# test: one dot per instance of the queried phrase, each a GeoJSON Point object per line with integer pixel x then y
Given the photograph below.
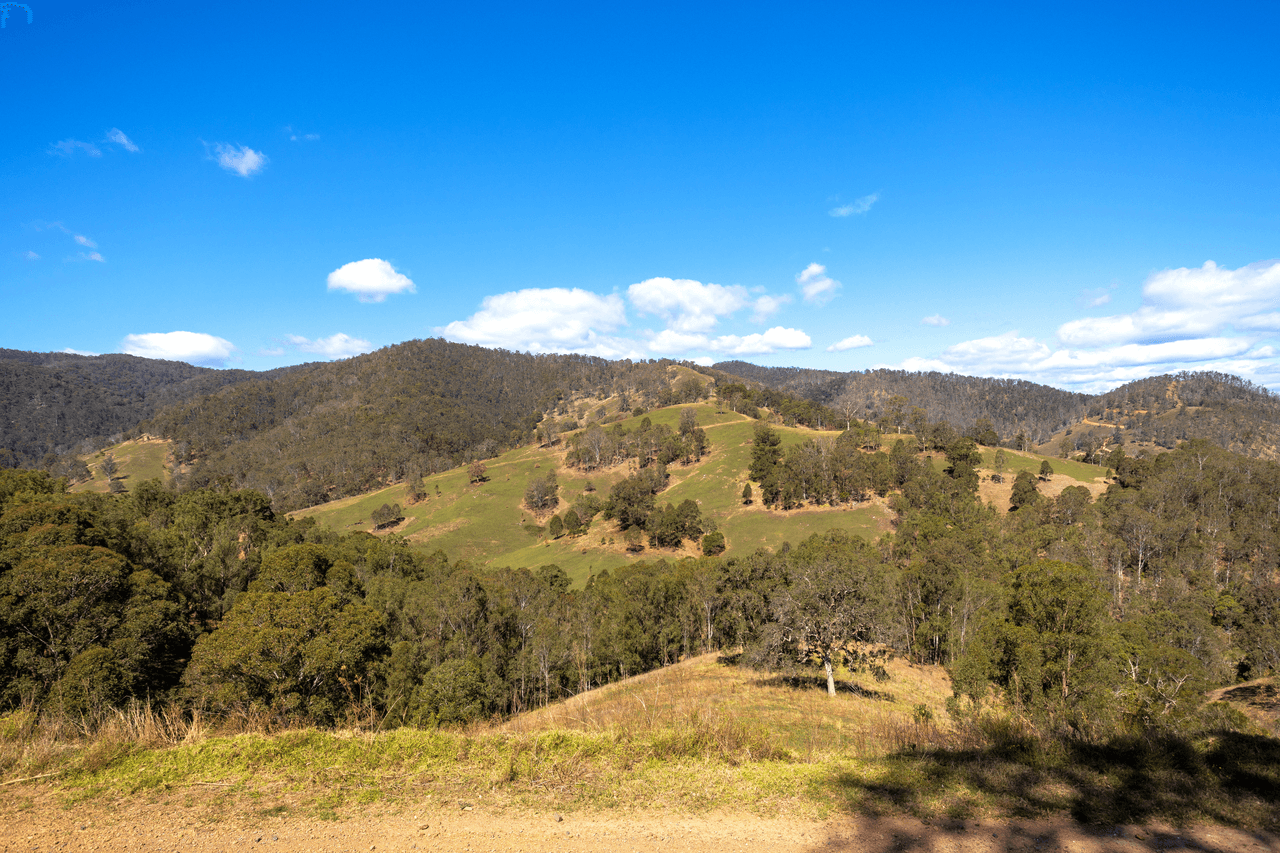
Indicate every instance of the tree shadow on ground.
{"type": "Point", "coordinates": [1228, 778]}
{"type": "Point", "coordinates": [819, 682]}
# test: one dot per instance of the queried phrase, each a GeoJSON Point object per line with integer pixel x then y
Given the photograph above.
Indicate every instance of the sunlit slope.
{"type": "Point", "coordinates": [136, 460]}
{"type": "Point", "coordinates": [487, 522]}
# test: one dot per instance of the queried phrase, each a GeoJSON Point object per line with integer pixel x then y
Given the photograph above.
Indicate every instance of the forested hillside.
{"type": "Point", "coordinates": [56, 404]}
{"type": "Point", "coordinates": [1011, 405]}
{"type": "Point", "coordinates": [322, 431]}
{"type": "Point", "coordinates": [1067, 614]}
{"type": "Point", "coordinates": [1158, 412]}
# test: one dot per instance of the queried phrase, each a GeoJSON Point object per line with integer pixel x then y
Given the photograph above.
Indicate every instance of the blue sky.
{"type": "Point", "coordinates": [1078, 195]}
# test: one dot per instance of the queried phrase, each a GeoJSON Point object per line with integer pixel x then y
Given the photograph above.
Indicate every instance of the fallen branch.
{"type": "Point", "coordinates": [31, 778]}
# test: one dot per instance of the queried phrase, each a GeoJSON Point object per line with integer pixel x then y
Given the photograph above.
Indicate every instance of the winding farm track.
{"type": "Point", "coordinates": [33, 820]}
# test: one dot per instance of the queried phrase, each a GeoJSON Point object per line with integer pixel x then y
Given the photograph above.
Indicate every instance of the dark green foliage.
{"type": "Point", "coordinates": [555, 527]}
{"type": "Point", "coordinates": [746, 494]}
{"type": "Point", "coordinates": [1046, 470]}
{"type": "Point", "coordinates": [765, 453]}
{"type": "Point", "coordinates": [572, 522]}
{"type": "Point", "coordinates": [387, 515]}
{"type": "Point", "coordinates": [299, 655]}
{"type": "Point", "coordinates": [1024, 491]}
{"type": "Point", "coordinates": [713, 544]}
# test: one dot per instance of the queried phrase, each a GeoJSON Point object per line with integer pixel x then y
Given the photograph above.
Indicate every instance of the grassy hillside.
{"type": "Point", "coordinates": [136, 460]}
{"type": "Point", "coordinates": [487, 522]}
{"type": "Point", "coordinates": [702, 734]}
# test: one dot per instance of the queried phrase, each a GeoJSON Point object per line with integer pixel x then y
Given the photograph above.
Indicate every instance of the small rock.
{"type": "Point", "coordinates": [559, 818]}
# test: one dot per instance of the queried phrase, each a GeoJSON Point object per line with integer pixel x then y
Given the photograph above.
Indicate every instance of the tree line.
{"type": "Point", "coordinates": [1081, 615]}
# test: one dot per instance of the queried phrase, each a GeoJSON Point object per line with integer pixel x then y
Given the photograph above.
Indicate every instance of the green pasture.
{"type": "Point", "coordinates": [135, 461]}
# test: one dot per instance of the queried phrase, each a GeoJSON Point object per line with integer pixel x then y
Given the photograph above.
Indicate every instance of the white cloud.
{"type": "Point", "coordinates": [335, 346]}
{"type": "Point", "coordinates": [242, 160]}
{"type": "Point", "coordinates": [271, 352]}
{"type": "Point", "coordinates": [687, 306]}
{"type": "Point", "coordinates": [852, 342]}
{"type": "Point", "coordinates": [371, 280]}
{"type": "Point", "coordinates": [68, 147]}
{"type": "Point", "coordinates": [704, 360]}
{"type": "Point", "coordinates": [552, 319]}
{"type": "Point", "coordinates": [193, 347]}
{"type": "Point", "coordinates": [935, 320]}
{"type": "Point", "coordinates": [93, 256]}
{"type": "Point", "coordinates": [765, 306]}
{"type": "Point", "coordinates": [770, 341]}
{"type": "Point", "coordinates": [31, 256]}
{"type": "Point", "coordinates": [858, 208]}
{"type": "Point", "coordinates": [1189, 302]}
{"type": "Point", "coordinates": [85, 241]}
{"type": "Point", "coordinates": [816, 285]}
{"type": "Point", "coordinates": [117, 136]}
{"type": "Point", "coordinates": [70, 351]}
{"type": "Point", "coordinates": [669, 341]}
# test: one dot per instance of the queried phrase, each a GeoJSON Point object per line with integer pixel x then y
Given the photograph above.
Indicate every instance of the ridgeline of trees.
{"type": "Point", "coordinates": [1073, 615]}
{"type": "Point", "coordinates": [323, 431]}
{"type": "Point", "coordinates": [54, 405]}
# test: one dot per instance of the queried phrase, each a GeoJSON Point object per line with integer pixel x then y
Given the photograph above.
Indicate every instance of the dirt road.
{"type": "Point", "coordinates": [34, 820]}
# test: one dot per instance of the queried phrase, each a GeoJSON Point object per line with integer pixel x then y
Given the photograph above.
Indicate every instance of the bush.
{"type": "Point", "coordinates": [713, 544]}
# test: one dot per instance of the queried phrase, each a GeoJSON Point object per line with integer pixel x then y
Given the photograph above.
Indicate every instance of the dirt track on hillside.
{"type": "Point", "coordinates": [33, 819]}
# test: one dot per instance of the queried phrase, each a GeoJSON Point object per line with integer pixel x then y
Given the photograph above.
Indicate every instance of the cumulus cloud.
{"type": "Point", "coordinates": [770, 341]}
{"type": "Point", "coordinates": [242, 160]}
{"type": "Point", "coordinates": [816, 285]}
{"type": "Point", "coordinates": [687, 306]}
{"type": "Point", "coordinates": [852, 342]}
{"type": "Point", "coordinates": [1094, 370]}
{"type": "Point", "coordinates": [192, 347]}
{"type": "Point", "coordinates": [1189, 302]}
{"type": "Point", "coordinates": [68, 147]}
{"type": "Point", "coordinates": [371, 280]}
{"type": "Point", "coordinates": [552, 319]}
{"type": "Point", "coordinates": [935, 320]}
{"type": "Point", "coordinates": [766, 306]}
{"type": "Point", "coordinates": [117, 136]}
{"type": "Point", "coordinates": [335, 346]}
{"type": "Point", "coordinates": [858, 208]}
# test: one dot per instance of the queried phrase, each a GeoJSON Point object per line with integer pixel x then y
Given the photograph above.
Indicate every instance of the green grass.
{"type": "Point", "coordinates": [486, 522]}
{"type": "Point", "coordinates": [136, 461]}
{"type": "Point", "coordinates": [697, 735]}
{"type": "Point", "coordinates": [1015, 461]}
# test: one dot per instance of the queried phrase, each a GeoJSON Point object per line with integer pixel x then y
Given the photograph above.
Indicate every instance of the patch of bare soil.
{"type": "Point", "coordinates": [32, 819]}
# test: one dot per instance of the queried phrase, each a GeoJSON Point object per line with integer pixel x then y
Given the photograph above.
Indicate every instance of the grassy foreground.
{"type": "Point", "coordinates": [703, 734]}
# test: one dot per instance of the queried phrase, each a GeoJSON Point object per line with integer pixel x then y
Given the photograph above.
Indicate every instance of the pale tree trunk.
{"type": "Point", "coordinates": [831, 677]}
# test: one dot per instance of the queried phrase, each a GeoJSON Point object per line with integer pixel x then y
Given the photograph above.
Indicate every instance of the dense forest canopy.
{"type": "Point", "coordinates": [1073, 614]}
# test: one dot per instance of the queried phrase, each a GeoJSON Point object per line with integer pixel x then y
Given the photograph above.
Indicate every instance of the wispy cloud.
{"type": "Point", "coordinates": [371, 280]}
{"type": "Point", "coordinates": [117, 136]}
{"type": "Point", "coordinates": [335, 346]}
{"type": "Point", "coordinates": [816, 285]}
{"type": "Point", "coordinates": [93, 256]}
{"type": "Point", "coordinates": [766, 306]}
{"type": "Point", "coordinates": [935, 320]}
{"type": "Point", "coordinates": [192, 347]}
{"type": "Point", "coordinates": [70, 351]}
{"type": "Point", "coordinates": [30, 255]}
{"type": "Point", "coordinates": [68, 147]}
{"type": "Point", "coordinates": [857, 208]}
{"type": "Point", "coordinates": [242, 159]}
{"type": "Point", "coordinates": [85, 241]}
{"type": "Point", "coordinates": [852, 342]}
{"type": "Point", "coordinates": [1189, 302]}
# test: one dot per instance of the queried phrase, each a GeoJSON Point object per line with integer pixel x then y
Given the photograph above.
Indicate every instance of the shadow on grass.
{"type": "Point", "coordinates": [819, 682]}
{"type": "Point", "coordinates": [1229, 778]}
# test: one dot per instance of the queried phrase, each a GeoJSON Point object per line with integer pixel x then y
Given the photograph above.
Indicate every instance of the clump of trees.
{"type": "Point", "coordinates": [597, 447]}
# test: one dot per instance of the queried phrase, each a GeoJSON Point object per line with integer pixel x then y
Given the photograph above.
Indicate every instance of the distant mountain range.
{"type": "Point", "coordinates": [308, 433]}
